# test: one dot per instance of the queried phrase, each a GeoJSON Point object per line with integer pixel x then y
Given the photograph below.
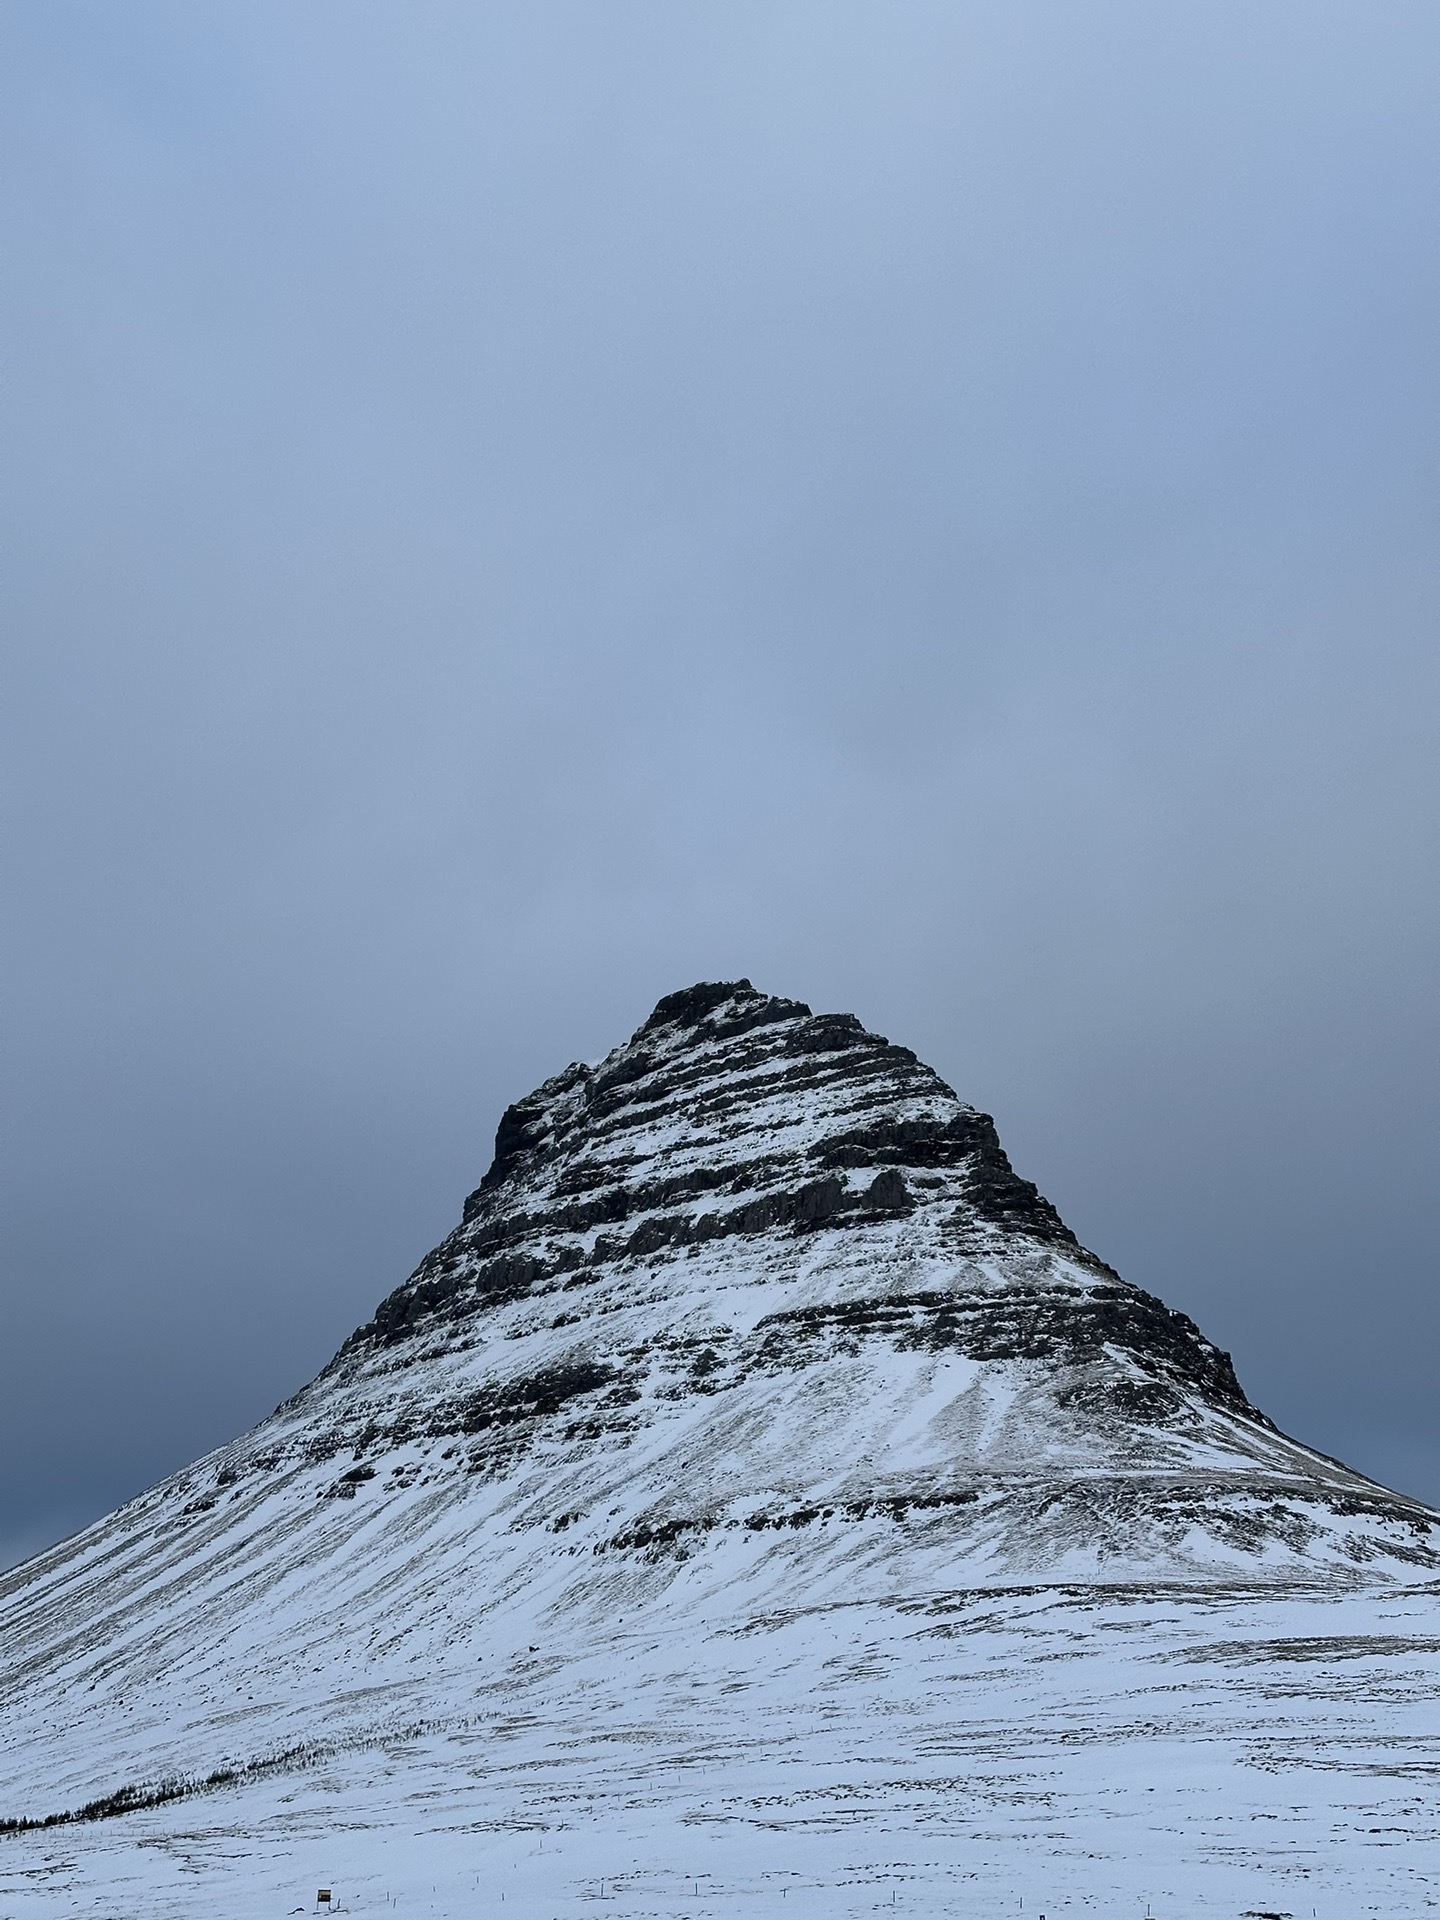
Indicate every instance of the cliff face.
{"type": "Point", "coordinates": [737, 1141]}
{"type": "Point", "coordinates": [753, 1315]}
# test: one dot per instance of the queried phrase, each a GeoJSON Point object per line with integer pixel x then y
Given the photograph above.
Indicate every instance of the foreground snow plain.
{"type": "Point", "coordinates": [1103, 1750]}
{"type": "Point", "coordinates": [760, 1505]}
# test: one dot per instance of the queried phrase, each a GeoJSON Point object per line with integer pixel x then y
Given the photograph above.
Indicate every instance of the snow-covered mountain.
{"type": "Point", "coordinates": [760, 1451]}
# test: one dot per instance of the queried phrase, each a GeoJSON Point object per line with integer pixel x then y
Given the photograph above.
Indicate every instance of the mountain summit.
{"type": "Point", "coordinates": [751, 1321]}
{"type": "Point", "coordinates": [778, 1255]}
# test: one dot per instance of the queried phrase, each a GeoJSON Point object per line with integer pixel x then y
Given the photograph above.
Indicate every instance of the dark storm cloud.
{"type": "Point", "coordinates": [511, 510]}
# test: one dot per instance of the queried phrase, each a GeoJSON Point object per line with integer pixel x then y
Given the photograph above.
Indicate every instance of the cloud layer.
{"type": "Point", "coordinates": [513, 510]}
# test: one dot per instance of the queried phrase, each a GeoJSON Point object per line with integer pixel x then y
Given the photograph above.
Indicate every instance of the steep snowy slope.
{"type": "Point", "coordinates": [750, 1346]}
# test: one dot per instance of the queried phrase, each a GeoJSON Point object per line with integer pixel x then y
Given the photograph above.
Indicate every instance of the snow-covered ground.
{"type": "Point", "coordinates": [1205, 1753]}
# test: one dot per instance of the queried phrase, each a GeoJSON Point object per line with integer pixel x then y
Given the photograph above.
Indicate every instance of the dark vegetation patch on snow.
{"type": "Point", "coordinates": [135, 1799]}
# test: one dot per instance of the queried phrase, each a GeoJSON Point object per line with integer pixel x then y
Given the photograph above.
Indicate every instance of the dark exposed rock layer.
{"type": "Point", "coordinates": [575, 1189]}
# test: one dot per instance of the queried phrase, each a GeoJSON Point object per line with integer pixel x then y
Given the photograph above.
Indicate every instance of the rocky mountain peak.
{"type": "Point", "coordinates": [769, 1233]}
{"type": "Point", "coordinates": [756, 1416]}
{"type": "Point", "coordinates": [732, 1116]}
{"type": "Point", "coordinates": [752, 1322]}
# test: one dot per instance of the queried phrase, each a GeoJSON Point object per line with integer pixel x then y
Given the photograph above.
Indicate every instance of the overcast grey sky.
{"type": "Point", "coordinates": [511, 509]}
